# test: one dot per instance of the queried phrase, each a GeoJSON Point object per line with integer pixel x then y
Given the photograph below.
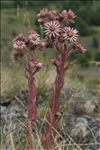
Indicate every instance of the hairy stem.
{"type": "Point", "coordinates": [32, 95]}
{"type": "Point", "coordinates": [31, 106]}
{"type": "Point", "coordinates": [53, 114]}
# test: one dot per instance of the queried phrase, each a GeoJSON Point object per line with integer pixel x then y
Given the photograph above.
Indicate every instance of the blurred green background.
{"type": "Point", "coordinates": [19, 16]}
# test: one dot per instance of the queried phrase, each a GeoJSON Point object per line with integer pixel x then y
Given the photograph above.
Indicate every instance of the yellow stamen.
{"type": "Point", "coordinates": [61, 39]}
{"type": "Point", "coordinates": [70, 33]}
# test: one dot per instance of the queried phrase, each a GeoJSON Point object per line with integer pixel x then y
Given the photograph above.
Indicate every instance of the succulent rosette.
{"type": "Point", "coordinates": [58, 34]}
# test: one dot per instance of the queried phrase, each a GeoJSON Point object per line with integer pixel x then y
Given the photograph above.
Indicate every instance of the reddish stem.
{"type": "Point", "coordinates": [31, 106]}
{"type": "Point", "coordinates": [32, 95]}
{"type": "Point", "coordinates": [52, 115]}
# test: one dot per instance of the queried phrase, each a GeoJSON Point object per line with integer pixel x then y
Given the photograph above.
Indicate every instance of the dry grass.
{"type": "Point", "coordinates": [12, 142]}
{"type": "Point", "coordinates": [12, 80]}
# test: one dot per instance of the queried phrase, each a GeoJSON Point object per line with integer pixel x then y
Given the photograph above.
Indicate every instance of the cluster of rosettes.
{"type": "Point", "coordinates": [57, 33]}
{"type": "Point", "coordinates": [22, 43]}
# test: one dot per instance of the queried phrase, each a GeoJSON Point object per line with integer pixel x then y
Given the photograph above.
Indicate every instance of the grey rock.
{"type": "Point", "coordinates": [65, 95]}
{"type": "Point", "coordinates": [84, 130]}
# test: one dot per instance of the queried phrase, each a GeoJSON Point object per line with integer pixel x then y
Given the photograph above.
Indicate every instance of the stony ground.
{"type": "Point", "coordinates": [79, 125]}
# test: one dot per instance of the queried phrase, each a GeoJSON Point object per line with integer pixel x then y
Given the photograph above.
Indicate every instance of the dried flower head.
{"type": "Point", "coordinates": [43, 12]}
{"type": "Point", "coordinates": [52, 29]}
{"type": "Point", "coordinates": [60, 41]}
{"type": "Point", "coordinates": [46, 15]}
{"type": "Point", "coordinates": [49, 42]}
{"type": "Point", "coordinates": [71, 16]}
{"type": "Point", "coordinates": [35, 65]}
{"type": "Point", "coordinates": [67, 16]}
{"type": "Point", "coordinates": [71, 33]}
{"type": "Point", "coordinates": [19, 42]}
{"type": "Point", "coordinates": [77, 46]}
{"type": "Point", "coordinates": [32, 40]}
{"type": "Point", "coordinates": [15, 55]}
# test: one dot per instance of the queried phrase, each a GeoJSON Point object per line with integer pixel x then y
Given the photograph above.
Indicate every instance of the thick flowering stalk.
{"type": "Point", "coordinates": [32, 108]}
{"type": "Point", "coordinates": [24, 47]}
{"type": "Point", "coordinates": [53, 115]}
{"type": "Point", "coordinates": [32, 93]}
{"type": "Point", "coordinates": [59, 36]}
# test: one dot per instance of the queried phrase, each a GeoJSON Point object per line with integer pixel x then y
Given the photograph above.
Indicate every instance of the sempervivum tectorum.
{"type": "Point", "coordinates": [56, 34]}
{"type": "Point", "coordinates": [61, 40]}
{"type": "Point", "coordinates": [32, 40]}
{"type": "Point", "coordinates": [79, 47]}
{"type": "Point", "coordinates": [67, 16]}
{"type": "Point", "coordinates": [18, 48]}
{"type": "Point", "coordinates": [46, 15]}
{"type": "Point", "coordinates": [71, 34]}
{"type": "Point", "coordinates": [19, 42]}
{"type": "Point", "coordinates": [52, 29]}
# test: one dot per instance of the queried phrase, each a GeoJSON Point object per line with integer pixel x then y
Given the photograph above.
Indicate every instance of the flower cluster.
{"type": "Point", "coordinates": [32, 40]}
{"type": "Point", "coordinates": [67, 16]}
{"type": "Point", "coordinates": [57, 33]}
{"type": "Point", "coordinates": [46, 15]}
{"type": "Point", "coordinates": [54, 31]}
{"type": "Point", "coordinates": [19, 42]}
{"type": "Point", "coordinates": [19, 47]}
{"type": "Point", "coordinates": [56, 28]}
{"type": "Point", "coordinates": [36, 65]}
{"type": "Point", "coordinates": [22, 43]}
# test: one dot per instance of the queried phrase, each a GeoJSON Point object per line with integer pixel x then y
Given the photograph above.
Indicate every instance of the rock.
{"type": "Point", "coordinates": [3, 109]}
{"type": "Point", "coordinates": [80, 127]}
{"type": "Point", "coordinates": [83, 129]}
{"type": "Point", "coordinates": [89, 106]}
{"type": "Point", "coordinates": [79, 105]}
{"type": "Point", "coordinates": [4, 102]}
{"type": "Point", "coordinates": [65, 95]}
{"type": "Point", "coordinates": [23, 96]}
{"type": "Point", "coordinates": [79, 121]}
